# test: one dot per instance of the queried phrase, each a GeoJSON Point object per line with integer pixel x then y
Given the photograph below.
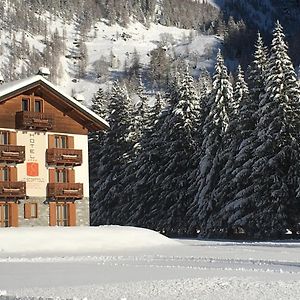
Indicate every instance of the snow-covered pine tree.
{"type": "Point", "coordinates": [140, 121]}
{"type": "Point", "coordinates": [276, 169]}
{"type": "Point", "coordinates": [239, 211]}
{"type": "Point", "coordinates": [113, 157]}
{"type": "Point", "coordinates": [179, 135]}
{"type": "Point", "coordinates": [256, 76]}
{"type": "Point", "coordinates": [226, 189]}
{"type": "Point", "coordinates": [99, 106]}
{"type": "Point", "coordinates": [145, 191]}
{"type": "Point", "coordinates": [214, 128]}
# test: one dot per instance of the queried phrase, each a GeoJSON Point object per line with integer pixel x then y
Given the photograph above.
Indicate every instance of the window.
{"type": "Point", "coordinates": [38, 106]}
{"type": "Point", "coordinates": [4, 215]}
{"type": "Point", "coordinates": [30, 210]}
{"type": "Point", "coordinates": [4, 137]}
{"type": "Point", "coordinates": [25, 104]}
{"type": "Point", "coordinates": [61, 175]}
{"type": "Point", "coordinates": [4, 173]}
{"type": "Point", "coordinates": [61, 141]}
{"type": "Point", "coordinates": [62, 214]}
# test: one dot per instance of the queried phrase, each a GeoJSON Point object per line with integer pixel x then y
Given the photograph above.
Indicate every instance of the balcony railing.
{"type": "Point", "coordinates": [59, 156]}
{"type": "Point", "coordinates": [34, 120]}
{"type": "Point", "coordinates": [65, 190]}
{"type": "Point", "coordinates": [12, 153]}
{"type": "Point", "coordinates": [12, 189]}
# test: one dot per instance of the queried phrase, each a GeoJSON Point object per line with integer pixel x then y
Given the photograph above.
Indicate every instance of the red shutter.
{"type": "Point", "coordinates": [70, 142]}
{"type": "Point", "coordinates": [27, 210]}
{"type": "Point", "coordinates": [51, 141]}
{"type": "Point", "coordinates": [71, 176]}
{"type": "Point", "coordinates": [13, 174]}
{"type": "Point", "coordinates": [52, 213]}
{"type": "Point", "coordinates": [72, 214]}
{"type": "Point", "coordinates": [13, 138]}
{"type": "Point", "coordinates": [52, 175]}
{"type": "Point", "coordinates": [14, 215]}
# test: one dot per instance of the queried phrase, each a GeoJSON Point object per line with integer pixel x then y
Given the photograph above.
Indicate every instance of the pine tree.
{"type": "Point", "coordinates": [179, 135]}
{"type": "Point", "coordinates": [113, 159]}
{"type": "Point", "coordinates": [214, 128]}
{"type": "Point", "coordinates": [276, 166]}
{"type": "Point", "coordinates": [145, 190]}
{"type": "Point", "coordinates": [226, 188]}
{"type": "Point", "coordinates": [239, 207]}
{"type": "Point", "coordinates": [257, 70]}
{"type": "Point", "coordinates": [99, 106]}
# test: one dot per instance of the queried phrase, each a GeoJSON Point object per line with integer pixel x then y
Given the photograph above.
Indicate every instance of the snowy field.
{"type": "Point", "coordinates": [114, 262]}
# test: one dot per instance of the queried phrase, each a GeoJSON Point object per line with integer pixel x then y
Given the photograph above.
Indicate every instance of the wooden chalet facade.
{"type": "Point", "coordinates": [43, 155]}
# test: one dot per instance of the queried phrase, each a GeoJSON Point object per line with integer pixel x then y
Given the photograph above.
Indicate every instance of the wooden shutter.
{"type": "Point", "coordinates": [14, 215]}
{"type": "Point", "coordinates": [71, 176]}
{"type": "Point", "coordinates": [51, 141]}
{"type": "Point", "coordinates": [13, 138]}
{"type": "Point", "coordinates": [72, 214]}
{"type": "Point", "coordinates": [71, 142]}
{"type": "Point", "coordinates": [27, 210]}
{"type": "Point", "coordinates": [13, 174]}
{"type": "Point", "coordinates": [52, 213]}
{"type": "Point", "coordinates": [52, 175]}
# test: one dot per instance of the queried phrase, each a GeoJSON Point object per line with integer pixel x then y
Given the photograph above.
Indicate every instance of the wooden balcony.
{"type": "Point", "coordinates": [61, 156]}
{"type": "Point", "coordinates": [12, 154]}
{"type": "Point", "coordinates": [65, 190]}
{"type": "Point", "coordinates": [34, 120]}
{"type": "Point", "coordinates": [12, 189]}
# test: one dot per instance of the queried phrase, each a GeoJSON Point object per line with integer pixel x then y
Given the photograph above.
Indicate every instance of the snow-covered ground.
{"type": "Point", "coordinates": [117, 44]}
{"type": "Point", "coordinates": [157, 268]}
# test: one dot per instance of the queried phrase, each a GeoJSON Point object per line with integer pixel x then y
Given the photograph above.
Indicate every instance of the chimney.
{"type": "Point", "coordinates": [79, 97]}
{"type": "Point", "coordinates": [45, 72]}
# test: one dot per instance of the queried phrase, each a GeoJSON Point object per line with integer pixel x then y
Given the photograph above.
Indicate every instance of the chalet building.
{"type": "Point", "coordinates": [44, 178]}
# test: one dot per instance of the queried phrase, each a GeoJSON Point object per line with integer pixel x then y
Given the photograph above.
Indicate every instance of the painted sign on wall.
{"type": "Point", "coordinates": [34, 171]}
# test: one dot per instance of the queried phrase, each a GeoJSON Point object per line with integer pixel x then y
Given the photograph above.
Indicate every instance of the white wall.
{"type": "Point", "coordinates": [36, 144]}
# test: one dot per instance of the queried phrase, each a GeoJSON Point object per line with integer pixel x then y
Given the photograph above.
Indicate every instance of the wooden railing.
{"type": "Point", "coordinates": [12, 153]}
{"type": "Point", "coordinates": [65, 190]}
{"type": "Point", "coordinates": [59, 156]}
{"type": "Point", "coordinates": [34, 120]}
{"type": "Point", "coordinates": [12, 189]}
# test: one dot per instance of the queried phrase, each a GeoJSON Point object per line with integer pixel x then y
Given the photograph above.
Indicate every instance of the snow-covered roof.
{"type": "Point", "coordinates": [13, 86]}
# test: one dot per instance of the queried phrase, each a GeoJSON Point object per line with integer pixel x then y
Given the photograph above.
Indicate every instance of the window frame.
{"type": "Point", "coordinates": [28, 212]}
{"type": "Point", "coordinates": [33, 214]}
{"type": "Point", "coordinates": [61, 175]}
{"type": "Point", "coordinates": [41, 105]}
{"type": "Point", "coordinates": [4, 214]}
{"type": "Point", "coordinates": [61, 141]}
{"type": "Point", "coordinates": [62, 214]}
{"type": "Point", "coordinates": [25, 100]}
{"type": "Point", "coordinates": [4, 136]}
{"type": "Point", "coordinates": [4, 173]}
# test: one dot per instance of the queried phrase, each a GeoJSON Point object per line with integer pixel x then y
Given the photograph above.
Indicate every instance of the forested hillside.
{"type": "Point", "coordinates": [261, 15]}
{"type": "Point", "coordinates": [217, 157]}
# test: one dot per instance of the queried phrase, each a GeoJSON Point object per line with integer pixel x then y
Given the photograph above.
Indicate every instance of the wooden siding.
{"type": "Point", "coordinates": [66, 118]}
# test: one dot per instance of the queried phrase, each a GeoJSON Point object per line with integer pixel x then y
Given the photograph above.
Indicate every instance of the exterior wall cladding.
{"type": "Point", "coordinates": [82, 213]}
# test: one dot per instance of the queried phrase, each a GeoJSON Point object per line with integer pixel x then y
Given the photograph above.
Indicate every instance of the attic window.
{"type": "Point", "coordinates": [25, 104]}
{"type": "Point", "coordinates": [38, 107]}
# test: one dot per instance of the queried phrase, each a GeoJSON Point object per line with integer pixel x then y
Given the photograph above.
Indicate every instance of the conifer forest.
{"type": "Point", "coordinates": [218, 156]}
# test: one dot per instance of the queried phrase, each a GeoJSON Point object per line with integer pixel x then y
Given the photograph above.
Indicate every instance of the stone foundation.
{"type": "Point", "coordinates": [82, 212]}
